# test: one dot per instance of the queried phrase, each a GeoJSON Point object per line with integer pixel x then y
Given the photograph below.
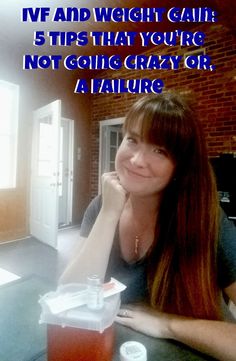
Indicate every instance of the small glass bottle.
{"type": "Point", "coordinates": [95, 296]}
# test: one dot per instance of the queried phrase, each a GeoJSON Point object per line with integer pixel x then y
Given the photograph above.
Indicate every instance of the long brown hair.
{"type": "Point", "coordinates": [183, 265]}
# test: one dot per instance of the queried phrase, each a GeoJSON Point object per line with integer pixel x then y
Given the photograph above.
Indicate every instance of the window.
{"type": "Point", "coordinates": [195, 53]}
{"type": "Point", "coordinates": [9, 95]}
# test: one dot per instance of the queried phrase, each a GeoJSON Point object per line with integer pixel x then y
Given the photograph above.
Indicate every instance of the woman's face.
{"type": "Point", "coordinates": [143, 168]}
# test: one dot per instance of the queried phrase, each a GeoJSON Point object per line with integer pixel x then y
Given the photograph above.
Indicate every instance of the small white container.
{"type": "Point", "coordinates": [133, 351]}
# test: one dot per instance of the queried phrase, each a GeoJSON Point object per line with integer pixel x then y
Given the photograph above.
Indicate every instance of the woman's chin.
{"type": "Point", "coordinates": [126, 184]}
{"type": "Point", "coordinates": [130, 187]}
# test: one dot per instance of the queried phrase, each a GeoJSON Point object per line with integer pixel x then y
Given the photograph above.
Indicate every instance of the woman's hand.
{"type": "Point", "coordinates": [215, 338]}
{"type": "Point", "coordinates": [114, 195]}
{"type": "Point", "coordinates": [145, 319]}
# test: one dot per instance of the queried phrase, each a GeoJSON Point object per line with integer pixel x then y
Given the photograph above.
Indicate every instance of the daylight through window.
{"type": "Point", "coordinates": [9, 95]}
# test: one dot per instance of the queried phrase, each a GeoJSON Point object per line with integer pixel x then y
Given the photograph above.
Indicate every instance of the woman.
{"type": "Point", "coordinates": [158, 228]}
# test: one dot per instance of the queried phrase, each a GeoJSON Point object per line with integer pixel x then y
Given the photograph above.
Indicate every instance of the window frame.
{"type": "Point", "coordinates": [12, 135]}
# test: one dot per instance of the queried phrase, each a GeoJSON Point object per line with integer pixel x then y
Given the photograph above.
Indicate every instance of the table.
{"type": "Point", "coordinates": [157, 349]}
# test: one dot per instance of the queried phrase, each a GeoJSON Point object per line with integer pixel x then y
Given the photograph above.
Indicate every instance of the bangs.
{"type": "Point", "coordinates": [163, 122]}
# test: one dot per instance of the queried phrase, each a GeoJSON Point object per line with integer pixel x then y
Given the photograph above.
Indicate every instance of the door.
{"type": "Point", "coordinates": [65, 190]}
{"type": "Point", "coordinates": [45, 173]}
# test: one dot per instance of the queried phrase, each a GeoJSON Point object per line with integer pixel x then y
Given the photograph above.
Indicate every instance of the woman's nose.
{"type": "Point", "coordinates": [138, 159]}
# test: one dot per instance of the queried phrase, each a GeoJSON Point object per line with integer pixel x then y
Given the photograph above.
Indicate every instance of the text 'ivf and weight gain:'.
{"type": "Point", "coordinates": [101, 14]}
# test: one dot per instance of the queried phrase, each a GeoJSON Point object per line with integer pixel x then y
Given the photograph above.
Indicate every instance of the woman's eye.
{"type": "Point", "coordinates": [131, 140]}
{"type": "Point", "coordinates": [159, 151]}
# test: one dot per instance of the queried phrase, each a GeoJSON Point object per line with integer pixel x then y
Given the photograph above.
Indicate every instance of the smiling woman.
{"type": "Point", "coordinates": [143, 167]}
{"type": "Point", "coordinates": [158, 228]}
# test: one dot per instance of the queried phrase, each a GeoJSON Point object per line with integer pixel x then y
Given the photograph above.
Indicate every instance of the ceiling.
{"type": "Point", "coordinates": [16, 37]}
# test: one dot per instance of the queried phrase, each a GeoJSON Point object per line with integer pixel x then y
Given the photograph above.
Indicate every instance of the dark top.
{"type": "Point", "coordinates": [134, 275]}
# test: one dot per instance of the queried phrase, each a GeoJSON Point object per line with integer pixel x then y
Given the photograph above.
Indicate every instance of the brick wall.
{"type": "Point", "coordinates": [214, 90]}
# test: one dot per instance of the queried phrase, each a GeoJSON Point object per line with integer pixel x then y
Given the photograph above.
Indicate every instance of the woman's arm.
{"type": "Point", "coordinates": [215, 338]}
{"type": "Point", "coordinates": [93, 257]}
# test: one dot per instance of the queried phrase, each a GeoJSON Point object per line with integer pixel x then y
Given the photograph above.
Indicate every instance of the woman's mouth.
{"type": "Point", "coordinates": [133, 173]}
